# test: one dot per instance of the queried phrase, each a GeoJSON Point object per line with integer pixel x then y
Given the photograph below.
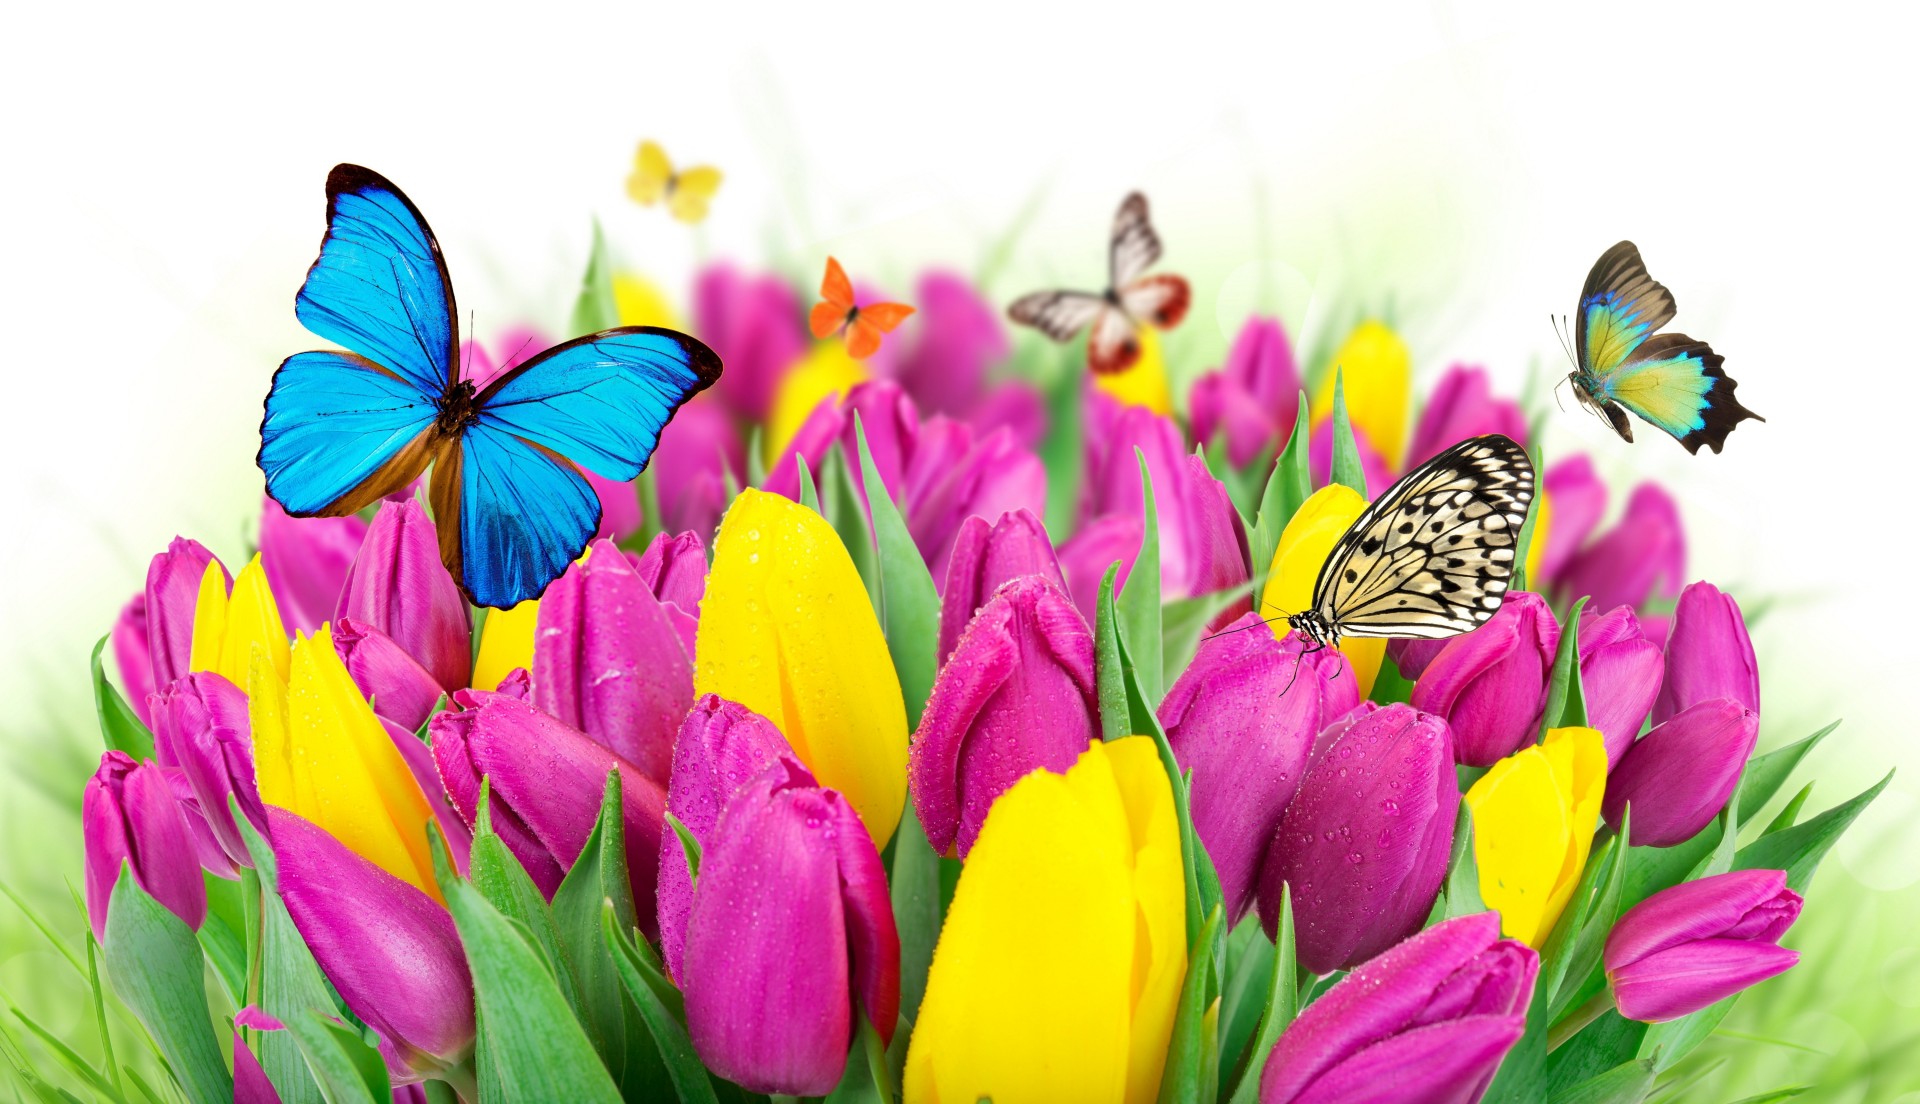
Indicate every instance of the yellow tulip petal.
{"type": "Point", "coordinates": [1144, 384]}
{"type": "Point", "coordinates": [638, 301]}
{"type": "Point", "coordinates": [1377, 378]}
{"type": "Point", "coordinates": [324, 756]}
{"type": "Point", "coordinates": [1304, 546]}
{"type": "Point", "coordinates": [227, 626]}
{"type": "Point", "coordinates": [1579, 758]}
{"type": "Point", "coordinates": [786, 629]}
{"type": "Point", "coordinates": [1061, 959]}
{"type": "Point", "coordinates": [1534, 814]}
{"type": "Point", "coordinates": [827, 370]}
{"type": "Point", "coordinates": [209, 621]}
{"type": "Point", "coordinates": [506, 642]}
{"type": "Point", "coordinates": [1537, 546]}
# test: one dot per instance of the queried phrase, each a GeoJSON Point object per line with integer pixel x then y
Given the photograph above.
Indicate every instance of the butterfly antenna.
{"type": "Point", "coordinates": [1558, 332]}
{"type": "Point", "coordinates": [515, 358]}
{"type": "Point", "coordinates": [1263, 621]}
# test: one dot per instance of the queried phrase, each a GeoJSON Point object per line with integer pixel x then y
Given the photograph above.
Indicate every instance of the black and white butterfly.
{"type": "Point", "coordinates": [1431, 557]}
{"type": "Point", "coordinates": [1132, 299]}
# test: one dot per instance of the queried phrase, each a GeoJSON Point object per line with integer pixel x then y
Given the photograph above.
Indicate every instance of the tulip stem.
{"type": "Point", "coordinates": [782, 1098]}
{"type": "Point", "coordinates": [1571, 1023]}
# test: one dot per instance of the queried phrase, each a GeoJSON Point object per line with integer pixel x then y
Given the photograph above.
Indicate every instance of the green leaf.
{"type": "Point", "coordinates": [1720, 859]}
{"type": "Point", "coordinates": [866, 1079]}
{"type": "Point", "coordinates": [1603, 1044]}
{"type": "Point", "coordinates": [593, 310]}
{"type": "Point", "coordinates": [1799, 849]}
{"type": "Point", "coordinates": [599, 876]}
{"type": "Point", "coordinates": [498, 875]}
{"type": "Point", "coordinates": [1666, 1043]}
{"type": "Point", "coordinates": [224, 946]}
{"type": "Point", "coordinates": [1525, 543]}
{"type": "Point", "coordinates": [1766, 774]}
{"type": "Point", "coordinates": [1283, 1004]}
{"type": "Point", "coordinates": [1288, 485]}
{"type": "Point", "coordinates": [1775, 1096]}
{"type": "Point", "coordinates": [1596, 920]}
{"type": "Point", "coordinates": [348, 1070]}
{"type": "Point", "coordinates": [46, 930]}
{"type": "Point", "coordinates": [1183, 626]}
{"type": "Point", "coordinates": [1139, 603]}
{"type": "Point", "coordinates": [1110, 677]}
{"type": "Point", "coordinates": [530, 1047]}
{"type": "Point", "coordinates": [1189, 1055]}
{"type": "Point", "coordinates": [1389, 685]}
{"type": "Point", "coordinates": [847, 513]}
{"type": "Point", "coordinates": [157, 969]}
{"type": "Point", "coordinates": [689, 846]}
{"type": "Point", "coordinates": [1247, 964]}
{"type": "Point", "coordinates": [1061, 449]}
{"type": "Point", "coordinates": [1463, 870]}
{"type": "Point", "coordinates": [662, 1019]}
{"type": "Point", "coordinates": [1346, 468]}
{"type": "Point", "coordinates": [1624, 1084]}
{"type": "Point", "coordinates": [120, 727]}
{"type": "Point", "coordinates": [285, 981]}
{"type": "Point", "coordinates": [756, 463]}
{"type": "Point", "coordinates": [1564, 698]}
{"type": "Point", "coordinates": [100, 1016]}
{"type": "Point", "coordinates": [914, 883]}
{"type": "Point", "coordinates": [809, 494]}
{"type": "Point", "coordinates": [910, 605]}
{"type": "Point", "coordinates": [67, 1056]}
{"type": "Point", "coordinates": [1789, 812]}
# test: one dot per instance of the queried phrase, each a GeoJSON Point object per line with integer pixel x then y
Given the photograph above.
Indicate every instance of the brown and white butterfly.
{"type": "Point", "coordinates": [1132, 299]}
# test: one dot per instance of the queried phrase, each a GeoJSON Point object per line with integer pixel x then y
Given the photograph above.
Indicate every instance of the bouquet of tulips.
{"type": "Point", "coordinates": [917, 730]}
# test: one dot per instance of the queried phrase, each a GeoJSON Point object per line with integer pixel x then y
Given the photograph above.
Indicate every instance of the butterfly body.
{"type": "Point", "coordinates": [1433, 556]}
{"type": "Point", "coordinates": [344, 429]}
{"type": "Point", "coordinates": [1131, 300]}
{"type": "Point", "coordinates": [861, 326]}
{"type": "Point", "coordinates": [1669, 380]}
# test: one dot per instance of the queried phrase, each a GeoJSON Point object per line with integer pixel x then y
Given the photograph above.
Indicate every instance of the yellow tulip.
{"type": "Point", "coordinates": [1534, 814]}
{"type": "Point", "coordinates": [786, 630]}
{"type": "Point", "coordinates": [506, 642]}
{"type": "Point", "coordinates": [226, 627]}
{"type": "Point", "coordinates": [1304, 545]}
{"type": "Point", "coordinates": [319, 752]}
{"type": "Point", "coordinates": [828, 370]}
{"type": "Point", "coordinates": [1537, 547]}
{"type": "Point", "coordinates": [1377, 378]}
{"type": "Point", "coordinates": [1144, 384]}
{"type": "Point", "coordinates": [638, 301]}
{"type": "Point", "coordinates": [1061, 959]}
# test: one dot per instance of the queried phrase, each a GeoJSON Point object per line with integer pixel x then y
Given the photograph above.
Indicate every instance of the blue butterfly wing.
{"type": "Point", "coordinates": [511, 499]}
{"type": "Point", "coordinates": [511, 515]}
{"type": "Point", "coordinates": [601, 400]}
{"type": "Point", "coordinates": [1620, 307]}
{"type": "Point", "coordinates": [1676, 383]}
{"type": "Point", "coordinates": [341, 432]}
{"type": "Point", "coordinates": [380, 287]}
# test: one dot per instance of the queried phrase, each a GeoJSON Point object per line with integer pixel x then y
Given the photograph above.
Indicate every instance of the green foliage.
{"type": "Point", "coordinates": [155, 965]}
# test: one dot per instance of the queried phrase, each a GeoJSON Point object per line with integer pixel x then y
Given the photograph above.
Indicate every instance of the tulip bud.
{"type": "Point", "coordinates": [212, 742]}
{"type": "Point", "coordinates": [229, 625]}
{"type": "Point", "coordinates": [721, 745]}
{"type": "Point", "coordinates": [1579, 498]}
{"type": "Point", "coordinates": [1202, 547]}
{"type": "Point", "coordinates": [1242, 718]}
{"type": "Point", "coordinates": [1680, 775]}
{"type": "Point", "coordinates": [390, 951]}
{"type": "Point", "coordinates": [1375, 372]}
{"type": "Point", "coordinates": [129, 815]}
{"type": "Point", "coordinates": [985, 556]}
{"type": "Point", "coordinates": [607, 661]}
{"type": "Point", "coordinates": [546, 781]}
{"type": "Point", "coordinates": [675, 569]}
{"type": "Point", "coordinates": [1098, 545]}
{"type": "Point", "coordinates": [957, 472]}
{"type": "Point", "coordinates": [1305, 544]}
{"type": "Point", "coordinates": [132, 656]}
{"type": "Point", "coordinates": [1709, 654]}
{"type": "Point", "coordinates": [791, 928]}
{"type": "Point", "coordinates": [1365, 842]}
{"type": "Point", "coordinates": [1428, 1022]}
{"type": "Point", "coordinates": [1253, 398]}
{"type": "Point", "coordinates": [1619, 677]}
{"type": "Point", "coordinates": [398, 585]}
{"type": "Point", "coordinates": [1460, 406]}
{"type": "Point", "coordinates": [1017, 695]}
{"type": "Point", "coordinates": [1070, 901]}
{"type": "Point", "coordinates": [397, 687]}
{"type": "Point", "coordinates": [1411, 656]}
{"type": "Point", "coordinates": [1533, 818]}
{"type": "Point", "coordinates": [307, 560]}
{"type": "Point", "coordinates": [959, 338]}
{"type": "Point", "coordinates": [1699, 942]}
{"type": "Point", "coordinates": [754, 324]}
{"type": "Point", "coordinates": [1374, 468]}
{"type": "Point", "coordinates": [173, 590]}
{"type": "Point", "coordinates": [692, 465]}
{"type": "Point", "coordinates": [1643, 555]}
{"type": "Point", "coordinates": [1491, 684]}
{"type": "Point", "coordinates": [506, 645]}
{"type": "Point", "coordinates": [786, 630]}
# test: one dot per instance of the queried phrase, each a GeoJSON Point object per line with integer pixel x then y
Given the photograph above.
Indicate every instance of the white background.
{"type": "Point", "coordinates": [1463, 162]}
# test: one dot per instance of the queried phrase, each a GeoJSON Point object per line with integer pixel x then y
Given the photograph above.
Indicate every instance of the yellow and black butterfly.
{"type": "Point", "coordinates": [686, 192]}
{"type": "Point", "coordinates": [1431, 557]}
{"type": "Point", "coordinates": [1132, 299]}
{"type": "Point", "coordinates": [1670, 380]}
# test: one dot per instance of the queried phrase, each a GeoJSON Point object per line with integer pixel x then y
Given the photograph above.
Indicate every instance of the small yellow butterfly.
{"type": "Point", "coordinates": [686, 193]}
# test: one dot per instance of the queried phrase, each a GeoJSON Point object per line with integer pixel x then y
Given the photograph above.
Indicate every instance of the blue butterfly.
{"type": "Point", "coordinates": [344, 429]}
{"type": "Point", "coordinates": [1670, 380]}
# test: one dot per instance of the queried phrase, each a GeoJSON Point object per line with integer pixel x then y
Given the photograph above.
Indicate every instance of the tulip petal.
{"type": "Point", "coordinates": [1670, 984]}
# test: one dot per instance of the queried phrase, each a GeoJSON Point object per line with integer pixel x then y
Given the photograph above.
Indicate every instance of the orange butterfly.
{"type": "Point", "coordinates": [863, 325]}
